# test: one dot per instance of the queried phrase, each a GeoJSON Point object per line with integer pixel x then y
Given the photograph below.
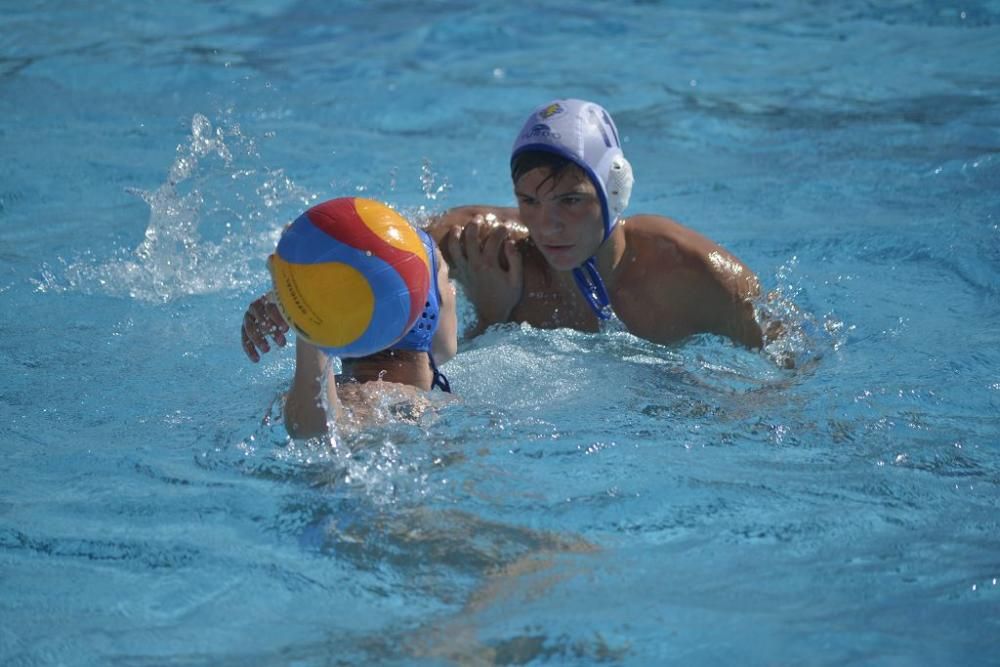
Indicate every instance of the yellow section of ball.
{"type": "Point", "coordinates": [391, 226]}
{"type": "Point", "coordinates": [329, 304]}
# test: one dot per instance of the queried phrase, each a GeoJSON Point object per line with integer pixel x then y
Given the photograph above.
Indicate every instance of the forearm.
{"type": "Point", "coordinates": [743, 326]}
{"type": "Point", "coordinates": [305, 413]}
{"type": "Point", "coordinates": [730, 312]}
{"type": "Point", "coordinates": [476, 328]}
{"type": "Point", "coordinates": [486, 316]}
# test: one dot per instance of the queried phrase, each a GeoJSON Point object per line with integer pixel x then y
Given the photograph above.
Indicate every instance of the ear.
{"type": "Point", "coordinates": [619, 186]}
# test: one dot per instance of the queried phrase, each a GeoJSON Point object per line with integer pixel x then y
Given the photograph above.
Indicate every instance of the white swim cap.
{"type": "Point", "coordinates": [583, 133]}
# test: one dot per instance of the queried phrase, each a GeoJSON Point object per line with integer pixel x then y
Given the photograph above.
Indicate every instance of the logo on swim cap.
{"type": "Point", "coordinates": [550, 111]}
{"type": "Point", "coordinates": [541, 131]}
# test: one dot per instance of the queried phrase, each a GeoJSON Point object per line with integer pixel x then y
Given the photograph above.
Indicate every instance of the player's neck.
{"type": "Point", "coordinates": [610, 254]}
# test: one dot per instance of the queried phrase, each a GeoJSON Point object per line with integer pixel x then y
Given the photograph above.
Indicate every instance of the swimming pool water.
{"type": "Point", "coordinates": [590, 498]}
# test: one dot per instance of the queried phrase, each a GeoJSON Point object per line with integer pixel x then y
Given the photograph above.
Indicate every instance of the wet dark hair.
{"type": "Point", "coordinates": [528, 160]}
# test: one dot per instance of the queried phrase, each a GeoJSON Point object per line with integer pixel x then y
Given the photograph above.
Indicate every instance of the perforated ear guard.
{"type": "Point", "coordinates": [619, 188]}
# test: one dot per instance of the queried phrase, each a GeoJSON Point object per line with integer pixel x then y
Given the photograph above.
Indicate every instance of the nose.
{"type": "Point", "coordinates": [551, 220]}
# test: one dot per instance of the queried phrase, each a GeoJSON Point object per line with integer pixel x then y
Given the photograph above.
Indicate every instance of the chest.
{"type": "Point", "coordinates": [660, 308]}
{"type": "Point", "coordinates": [551, 300]}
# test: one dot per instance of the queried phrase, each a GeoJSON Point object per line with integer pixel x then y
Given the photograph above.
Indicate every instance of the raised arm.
{"type": "Point", "coordinates": [305, 414]}
{"type": "Point", "coordinates": [478, 243]}
{"type": "Point", "coordinates": [445, 343]}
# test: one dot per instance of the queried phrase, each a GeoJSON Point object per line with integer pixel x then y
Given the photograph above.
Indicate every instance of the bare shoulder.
{"type": "Point", "coordinates": [660, 234]}
{"type": "Point", "coordinates": [656, 240]}
{"type": "Point", "coordinates": [672, 282]}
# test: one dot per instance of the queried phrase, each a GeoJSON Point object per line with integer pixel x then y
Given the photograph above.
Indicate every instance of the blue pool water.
{"type": "Point", "coordinates": [591, 498]}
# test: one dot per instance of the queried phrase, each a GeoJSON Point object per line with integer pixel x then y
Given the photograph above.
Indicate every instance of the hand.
{"type": "Point", "coordinates": [262, 319]}
{"type": "Point", "coordinates": [487, 263]}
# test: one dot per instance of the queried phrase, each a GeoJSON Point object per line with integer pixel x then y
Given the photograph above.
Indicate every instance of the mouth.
{"type": "Point", "coordinates": [559, 255]}
{"type": "Point", "coordinates": [557, 249]}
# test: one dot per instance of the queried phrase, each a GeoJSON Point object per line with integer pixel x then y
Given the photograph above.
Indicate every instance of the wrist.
{"type": "Point", "coordinates": [489, 318]}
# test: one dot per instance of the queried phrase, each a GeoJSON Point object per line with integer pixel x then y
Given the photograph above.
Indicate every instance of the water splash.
{"type": "Point", "coordinates": [428, 182]}
{"type": "Point", "coordinates": [794, 335]}
{"type": "Point", "coordinates": [379, 465]}
{"type": "Point", "coordinates": [218, 212]}
{"type": "Point", "coordinates": [381, 453]}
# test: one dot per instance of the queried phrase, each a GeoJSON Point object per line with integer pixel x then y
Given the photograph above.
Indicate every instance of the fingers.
{"type": "Point", "coordinates": [482, 246]}
{"type": "Point", "coordinates": [456, 256]}
{"type": "Point", "coordinates": [248, 347]}
{"type": "Point", "coordinates": [470, 241]}
{"type": "Point", "coordinates": [514, 262]}
{"type": "Point", "coordinates": [489, 271]}
{"type": "Point", "coordinates": [262, 319]}
{"type": "Point", "coordinates": [480, 243]}
{"type": "Point", "coordinates": [454, 243]}
{"type": "Point", "coordinates": [280, 326]}
{"type": "Point", "coordinates": [253, 333]}
{"type": "Point", "coordinates": [491, 247]}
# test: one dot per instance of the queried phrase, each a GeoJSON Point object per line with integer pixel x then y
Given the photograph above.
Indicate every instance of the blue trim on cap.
{"type": "Point", "coordinates": [421, 335]}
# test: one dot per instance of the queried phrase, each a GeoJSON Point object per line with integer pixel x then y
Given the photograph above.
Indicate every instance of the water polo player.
{"type": "Point", "coordinates": [404, 363]}
{"type": "Point", "coordinates": [565, 257]}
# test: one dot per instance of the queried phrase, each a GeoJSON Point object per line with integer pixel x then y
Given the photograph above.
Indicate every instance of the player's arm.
{"type": "Point", "coordinates": [479, 245]}
{"type": "Point", "coordinates": [445, 343]}
{"type": "Point", "coordinates": [688, 284]}
{"type": "Point", "coordinates": [305, 415]}
{"type": "Point", "coordinates": [728, 291]}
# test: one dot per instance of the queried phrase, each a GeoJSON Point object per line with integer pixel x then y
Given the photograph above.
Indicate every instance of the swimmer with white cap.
{"type": "Point", "coordinates": [566, 257]}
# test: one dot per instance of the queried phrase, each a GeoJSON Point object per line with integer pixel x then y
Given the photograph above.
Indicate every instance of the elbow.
{"type": "Point", "coordinates": [302, 422]}
{"type": "Point", "coordinates": [300, 432]}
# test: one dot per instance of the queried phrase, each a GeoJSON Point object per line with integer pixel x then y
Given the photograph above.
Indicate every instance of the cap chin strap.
{"type": "Point", "coordinates": [439, 380]}
{"type": "Point", "coordinates": [593, 290]}
{"type": "Point", "coordinates": [618, 186]}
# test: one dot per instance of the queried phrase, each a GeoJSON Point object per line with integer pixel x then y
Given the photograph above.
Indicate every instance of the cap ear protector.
{"type": "Point", "coordinates": [619, 186]}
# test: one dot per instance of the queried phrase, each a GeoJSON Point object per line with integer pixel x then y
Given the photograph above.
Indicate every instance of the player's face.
{"type": "Point", "coordinates": [562, 214]}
